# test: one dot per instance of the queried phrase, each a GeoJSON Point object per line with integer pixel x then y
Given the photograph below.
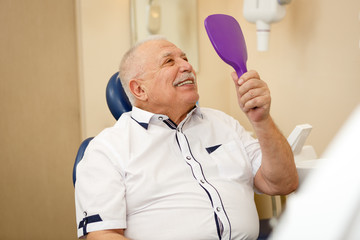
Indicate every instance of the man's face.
{"type": "Point", "coordinates": [168, 79]}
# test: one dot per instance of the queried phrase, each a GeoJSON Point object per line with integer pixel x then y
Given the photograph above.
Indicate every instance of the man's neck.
{"type": "Point", "coordinates": [176, 114]}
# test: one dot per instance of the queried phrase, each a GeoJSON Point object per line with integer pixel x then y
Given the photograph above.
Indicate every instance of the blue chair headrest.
{"type": "Point", "coordinates": [116, 98]}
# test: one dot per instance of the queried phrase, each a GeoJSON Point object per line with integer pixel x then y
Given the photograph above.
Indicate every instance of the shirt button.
{"type": "Point", "coordinates": [188, 158]}
{"type": "Point", "coordinates": [202, 181]}
{"type": "Point", "coordinates": [218, 209]}
{"type": "Point", "coordinates": [160, 118]}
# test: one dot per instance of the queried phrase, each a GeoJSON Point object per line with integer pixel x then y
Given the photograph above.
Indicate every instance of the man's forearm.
{"type": "Point", "coordinates": [107, 235]}
{"type": "Point", "coordinates": [277, 174]}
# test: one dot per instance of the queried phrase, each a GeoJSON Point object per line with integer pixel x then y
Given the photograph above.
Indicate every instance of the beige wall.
{"type": "Point", "coordinates": [39, 123]}
{"type": "Point", "coordinates": [103, 37]}
{"type": "Point", "coordinates": [312, 68]}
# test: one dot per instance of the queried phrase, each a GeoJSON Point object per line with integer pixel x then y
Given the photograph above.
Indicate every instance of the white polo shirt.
{"type": "Point", "coordinates": [161, 181]}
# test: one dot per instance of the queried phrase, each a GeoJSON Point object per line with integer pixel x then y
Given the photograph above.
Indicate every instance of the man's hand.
{"type": "Point", "coordinates": [253, 95]}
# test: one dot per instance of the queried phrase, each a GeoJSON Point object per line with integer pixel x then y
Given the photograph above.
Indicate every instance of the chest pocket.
{"type": "Point", "coordinates": [232, 161]}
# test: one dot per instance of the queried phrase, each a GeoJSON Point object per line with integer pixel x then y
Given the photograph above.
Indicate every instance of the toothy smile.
{"type": "Point", "coordinates": [184, 83]}
{"type": "Point", "coordinates": [184, 79]}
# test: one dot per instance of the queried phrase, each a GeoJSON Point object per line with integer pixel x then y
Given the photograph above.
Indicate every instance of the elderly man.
{"type": "Point", "coordinates": [172, 170]}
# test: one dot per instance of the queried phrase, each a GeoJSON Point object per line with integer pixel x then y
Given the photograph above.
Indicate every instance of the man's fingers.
{"type": "Point", "coordinates": [251, 94]}
{"type": "Point", "coordinates": [258, 102]}
{"type": "Point", "coordinates": [251, 84]}
{"type": "Point", "coordinates": [249, 75]}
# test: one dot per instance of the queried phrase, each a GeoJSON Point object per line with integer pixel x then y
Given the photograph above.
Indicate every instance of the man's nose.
{"type": "Point", "coordinates": [185, 66]}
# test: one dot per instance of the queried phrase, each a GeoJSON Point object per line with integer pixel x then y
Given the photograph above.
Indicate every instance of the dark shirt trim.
{"type": "Point", "coordinates": [170, 123]}
{"type": "Point", "coordinates": [144, 125]}
{"type": "Point", "coordinates": [212, 149]}
{"type": "Point", "coordinates": [90, 219]}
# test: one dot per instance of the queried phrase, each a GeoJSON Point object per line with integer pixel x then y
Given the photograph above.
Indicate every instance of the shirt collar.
{"type": "Point", "coordinates": [143, 118]}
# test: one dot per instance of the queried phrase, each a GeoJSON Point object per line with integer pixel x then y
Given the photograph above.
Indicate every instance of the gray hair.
{"type": "Point", "coordinates": [131, 67]}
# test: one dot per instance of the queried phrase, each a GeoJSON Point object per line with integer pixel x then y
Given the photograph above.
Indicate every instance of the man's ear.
{"type": "Point", "coordinates": [138, 89]}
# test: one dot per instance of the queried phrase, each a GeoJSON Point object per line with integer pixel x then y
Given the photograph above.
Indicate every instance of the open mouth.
{"type": "Point", "coordinates": [185, 79]}
{"type": "Point", "coordinates": [184, 83]}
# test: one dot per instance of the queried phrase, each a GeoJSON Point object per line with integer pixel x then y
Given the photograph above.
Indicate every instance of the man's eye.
{"type": "Point", "coordinates": [169, 60]}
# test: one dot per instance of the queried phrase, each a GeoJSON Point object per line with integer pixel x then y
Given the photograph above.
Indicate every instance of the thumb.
{"type": "Point", "coordinates": [235, 78]}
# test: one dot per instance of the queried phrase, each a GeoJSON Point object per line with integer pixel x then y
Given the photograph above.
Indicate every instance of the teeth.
{"type": "Point", "coordinates": [185, 82]}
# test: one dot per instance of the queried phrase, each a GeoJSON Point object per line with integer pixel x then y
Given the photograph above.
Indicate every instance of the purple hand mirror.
{"type": "Point", "coordinates": [228, 40]}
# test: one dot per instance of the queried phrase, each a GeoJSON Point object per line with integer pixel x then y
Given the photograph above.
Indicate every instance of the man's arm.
{"type": "Point", "coordinates": [277, 173]}
{"type": "Point", "coordinates": [114, 234]}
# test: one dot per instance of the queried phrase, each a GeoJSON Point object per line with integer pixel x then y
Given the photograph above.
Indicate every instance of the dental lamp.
{"type": "Point", "coordinates": [263, 13]}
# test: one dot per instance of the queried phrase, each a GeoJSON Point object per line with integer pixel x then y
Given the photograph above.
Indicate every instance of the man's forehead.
{"type": "Point", "coordinates": [169, 49]}
{"type": "Point", "coordinates": [162, 48]}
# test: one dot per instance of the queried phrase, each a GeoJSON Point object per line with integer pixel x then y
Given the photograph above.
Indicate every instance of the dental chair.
{"type": "Point", "coordinates": [117, 102]}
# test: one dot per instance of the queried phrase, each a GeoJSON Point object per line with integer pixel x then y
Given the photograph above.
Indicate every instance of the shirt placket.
{"type": "Point", "coordinates": [215, 199]}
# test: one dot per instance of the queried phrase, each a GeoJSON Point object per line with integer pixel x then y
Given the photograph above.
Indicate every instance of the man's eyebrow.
{"type": "Point", "coordinates": [168, 54]}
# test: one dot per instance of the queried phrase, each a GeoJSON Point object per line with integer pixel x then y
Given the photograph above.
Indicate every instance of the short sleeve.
{"type": "Point", "coordinates": [252, 147]}
{"type": "Point", "coordinates": [99, 190]}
